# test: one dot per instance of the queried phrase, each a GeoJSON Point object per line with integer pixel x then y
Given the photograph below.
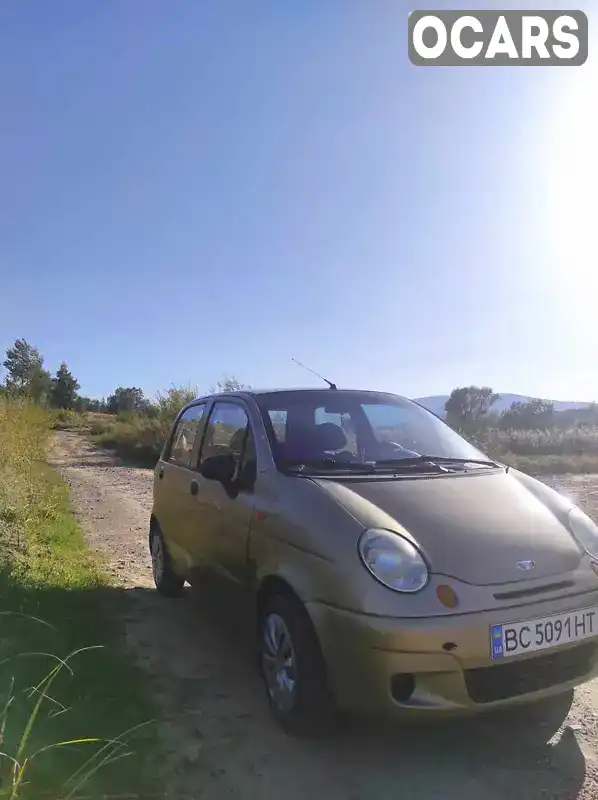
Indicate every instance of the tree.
{"type": "Point", "coordinates": [228, 383]}
{"type": "Point", "coordinates": [90, 404]}
{"type": "Point", "coordinates": [126, 399]}
{"type": "Point", "coordinates": [26, 373]}
{"type": "Point", "coordinates": [468, 405]}
{"type": "Point", "coordinates": [22, 360]}
{"type": "Point", "coordinates": [529, 415]}
{"type": "Point", "coordinates": [40, 386]}
{"type": "Point", "coordinates": [64, 388]}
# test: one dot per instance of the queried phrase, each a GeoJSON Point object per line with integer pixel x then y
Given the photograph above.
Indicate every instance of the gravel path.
{"type": "Point", "coordinates": [218, 738]}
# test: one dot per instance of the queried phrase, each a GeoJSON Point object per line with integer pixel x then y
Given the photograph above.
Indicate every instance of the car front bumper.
{"type": "Point", "coordinates": [390, 666]}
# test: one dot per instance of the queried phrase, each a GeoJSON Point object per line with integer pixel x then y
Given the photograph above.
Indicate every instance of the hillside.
{"type": "Point", "coordinates": [436, 403]}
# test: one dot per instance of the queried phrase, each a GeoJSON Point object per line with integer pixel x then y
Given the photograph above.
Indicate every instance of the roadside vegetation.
{"type": "Point", "coordinates": [137, 435]}
{"type": "Point", "coordinates": [555, 446]}
{"type": "Point", "coordinates": [75, 712]}
{"type": "Point", "coordinates": [531, 435]}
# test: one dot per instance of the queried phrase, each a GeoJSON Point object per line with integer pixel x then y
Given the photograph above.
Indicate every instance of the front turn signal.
{"type": "Point", "coordinates": [447, 596]}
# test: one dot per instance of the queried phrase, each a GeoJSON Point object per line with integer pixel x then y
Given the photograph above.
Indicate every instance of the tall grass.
{"type": "Point", "coordinates": [169, 403]}
{"type": "Point", "coordinates": [68, 693]}
{"type": "Point", "coordinates": [553, 450]}
{"type": "Point", "coordinates": [137, 439]}
{"type": "Point", "coordinates": [65, 419]}
{"type": "Point", "coordinates": [574, 441]}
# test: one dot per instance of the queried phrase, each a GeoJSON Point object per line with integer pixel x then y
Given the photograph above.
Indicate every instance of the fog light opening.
{"type": "Point", "coordinates": [402, 686]}
{"type": "Point", "coordinates": [447, 596]}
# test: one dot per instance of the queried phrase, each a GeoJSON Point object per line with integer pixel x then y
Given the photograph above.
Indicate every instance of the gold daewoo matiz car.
{"type": "Point", "coordinates": [389, 567]}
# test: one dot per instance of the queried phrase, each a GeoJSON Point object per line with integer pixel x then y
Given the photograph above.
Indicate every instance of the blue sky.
{"type": "Point", "coordinates": [191, 188]}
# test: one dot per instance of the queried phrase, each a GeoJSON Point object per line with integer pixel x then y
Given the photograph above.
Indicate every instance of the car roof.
{"type": "Point", "coordinates": [313, 390]}
{"type": "Point", "coordinates": [292, 390]}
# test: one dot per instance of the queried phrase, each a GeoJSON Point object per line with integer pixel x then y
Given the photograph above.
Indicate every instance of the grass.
{"type": "Point", "coordinates": [65, 420]}
{"type": "Point", "coordinates": [68, 693]}
{"type": "Point", "coordinates": [554, 450]}
{"type": "Point", "coordinates": [573, 441]}
{"type": "Point", "coordinates": [137, 439]}
{"type": "Point", "coordinates": [553, 464]}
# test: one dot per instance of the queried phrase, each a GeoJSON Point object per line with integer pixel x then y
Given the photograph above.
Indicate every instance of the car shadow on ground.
{"type": "Point", "coordinates": [211, 686]}
{"type": "Point", "coordinates": [219, 740]}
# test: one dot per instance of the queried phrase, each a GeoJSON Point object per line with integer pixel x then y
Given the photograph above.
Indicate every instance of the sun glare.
{"type": "Point", "coordinates": [569, 165]}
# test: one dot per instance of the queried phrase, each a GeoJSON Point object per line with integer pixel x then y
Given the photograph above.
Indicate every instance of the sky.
{"type": "Point", "coordinates": [191, 188]}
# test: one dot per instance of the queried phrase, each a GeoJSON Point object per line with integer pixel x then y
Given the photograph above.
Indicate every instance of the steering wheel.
{"type": "Point", "coordinates": [394, 449]}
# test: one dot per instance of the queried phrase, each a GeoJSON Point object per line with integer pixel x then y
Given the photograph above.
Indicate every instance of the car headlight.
{"type": "Point", "coordinates": [393, 560]}
{"type": "Point", "coordinates": [584, 530]}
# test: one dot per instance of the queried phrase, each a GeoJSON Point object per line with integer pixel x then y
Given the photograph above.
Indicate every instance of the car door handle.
{"type": "Point", "coordinates": [161, 473]}
{"type": "Point", "coordinates": [194, 488]}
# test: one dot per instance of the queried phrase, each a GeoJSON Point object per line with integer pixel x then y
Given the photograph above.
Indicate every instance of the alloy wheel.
{"type": "Point", "coordinates": [279, 663]}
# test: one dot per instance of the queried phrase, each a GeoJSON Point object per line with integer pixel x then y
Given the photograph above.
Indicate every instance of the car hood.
{"type": "Point", "coordinates": [472, 527]}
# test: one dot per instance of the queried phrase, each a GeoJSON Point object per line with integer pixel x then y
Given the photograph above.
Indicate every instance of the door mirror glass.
{"type": "Point", "coordinates": [219, 468]}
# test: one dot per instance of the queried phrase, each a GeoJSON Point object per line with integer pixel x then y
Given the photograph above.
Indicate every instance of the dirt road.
{"type": "Point", "coordinates": [219, 740]}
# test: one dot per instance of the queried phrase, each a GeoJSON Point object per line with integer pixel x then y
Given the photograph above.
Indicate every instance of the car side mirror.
{"type": "Point", "coordinates": [219, 468]}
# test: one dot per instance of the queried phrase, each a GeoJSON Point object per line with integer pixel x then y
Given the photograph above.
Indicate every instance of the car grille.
{"type": "Point", "coordinates": [527, 592]}
{"type": "Point", "coordinates": [500, 681]}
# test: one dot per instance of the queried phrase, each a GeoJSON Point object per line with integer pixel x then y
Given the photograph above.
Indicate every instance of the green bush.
{"type": "Point", "coordinates": [65, 419]}
{"type": "Point", "coordinates": [139, 439]}
{"type": "Point", "coordinates": [169, 403]}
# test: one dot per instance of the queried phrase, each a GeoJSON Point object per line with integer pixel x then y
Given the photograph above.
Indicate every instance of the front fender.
{"type": "Point", "coordinates": [302, 536]}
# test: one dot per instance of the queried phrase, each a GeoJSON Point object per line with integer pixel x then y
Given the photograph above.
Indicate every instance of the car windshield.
{"type": "Point", "coordinates": [331, 427]}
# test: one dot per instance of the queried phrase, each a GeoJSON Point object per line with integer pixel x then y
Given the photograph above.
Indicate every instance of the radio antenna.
{"type": "Point", "coordinates": [317, 374]}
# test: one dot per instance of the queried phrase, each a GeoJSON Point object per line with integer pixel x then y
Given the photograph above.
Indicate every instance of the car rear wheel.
{"type": "Point", "coordinates": [293, 668]}
{"type": "Point", "coordinates": [168, 583]}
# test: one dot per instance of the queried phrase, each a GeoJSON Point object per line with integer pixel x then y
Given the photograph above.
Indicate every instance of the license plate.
{"type": "Point", "coordinates": [515, 638]}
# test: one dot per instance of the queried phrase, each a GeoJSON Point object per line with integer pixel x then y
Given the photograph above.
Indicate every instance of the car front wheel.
{"type": "Point", "coordinates": [293, 668]}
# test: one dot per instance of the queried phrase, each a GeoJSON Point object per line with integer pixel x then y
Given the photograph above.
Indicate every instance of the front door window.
{"type": "Point", "coordinates": [229, 433]}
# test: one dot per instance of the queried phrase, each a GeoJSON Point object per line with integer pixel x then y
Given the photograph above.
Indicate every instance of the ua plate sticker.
{"type": "Point", "coordinates": [497, 645]}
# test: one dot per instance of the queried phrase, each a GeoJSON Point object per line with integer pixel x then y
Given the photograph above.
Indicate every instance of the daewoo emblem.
{"type": "Point", "coordinates": [525, 565]}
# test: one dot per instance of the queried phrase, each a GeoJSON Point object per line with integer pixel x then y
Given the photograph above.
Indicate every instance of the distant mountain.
{"type": "Point", "coordinates": [436, 403]}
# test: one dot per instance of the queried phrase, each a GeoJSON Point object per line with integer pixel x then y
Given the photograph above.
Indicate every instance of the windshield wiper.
{"type": "Point", "coordinates": [413, 461]}
{"type": "Point", "coordinates": [303, 464]}
{"type": "Point", "coordinates": [450, 460]}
